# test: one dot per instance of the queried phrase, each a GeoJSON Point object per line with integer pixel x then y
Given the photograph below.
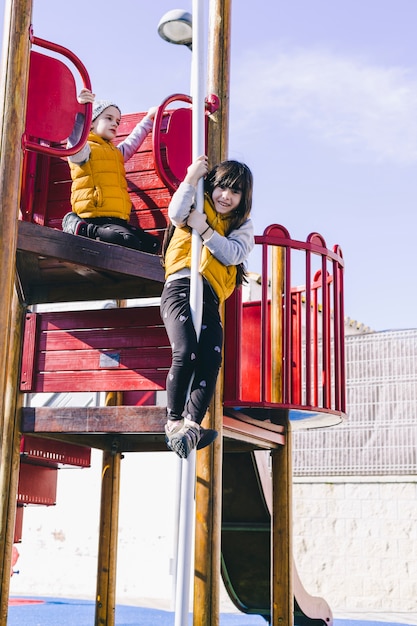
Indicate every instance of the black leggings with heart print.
{"type": "Point", "coordinates": [191, 359]}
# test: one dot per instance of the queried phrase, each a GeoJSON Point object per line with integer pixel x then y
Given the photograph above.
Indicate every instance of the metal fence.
{"type": "Point", "coordinates": [380, 435]}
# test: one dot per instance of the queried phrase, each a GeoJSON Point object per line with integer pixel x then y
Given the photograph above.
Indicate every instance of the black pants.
{"type": "Point", "coordinates": [112, 230]}
{"type": "Point", "coordinates": [191, 359]}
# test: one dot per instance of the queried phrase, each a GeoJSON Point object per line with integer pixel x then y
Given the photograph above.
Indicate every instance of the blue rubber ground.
{"type": "Point", "coordinates": [63, 612]}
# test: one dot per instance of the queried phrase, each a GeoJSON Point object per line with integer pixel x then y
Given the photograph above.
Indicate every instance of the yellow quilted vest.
{"type": "Point", "coordinates": [178, 255]}
{"type": "Point", "coordinates": [99, 186]}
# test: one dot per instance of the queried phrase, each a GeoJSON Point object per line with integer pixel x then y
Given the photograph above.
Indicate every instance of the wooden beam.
{"type": "Point", "coordinates": [96, 419]}
{"type": "Point", "coordinates": [105, 612]}
{"type": "Point", "coordinates": [252, 433]}
{"type": "Point", "coordinates": [14, 79]}
{"type": "Point", "coordinates": [219, 77]}
{"type": "Point", "coordinates": [282, 595]}
{"type": "Point", "coordinates": [147, 421]}
{"type": "Point", "coordinates": [209, 464]}
{"type": "Point", "coordinates": [10, 462]}
{"type": "Point", "coordinates": [207, 542]}
{"type": "Point", "coordinates": [131, 442]}
{"type": "Point", "coordinates": [266, 419]}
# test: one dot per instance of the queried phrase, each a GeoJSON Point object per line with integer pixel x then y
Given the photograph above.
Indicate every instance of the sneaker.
{"type": "Point", "coordinates": [173, 429]}
{"type": "Point", "coordinates": [207, 436]}
{"type": "Point", "coordinates": [188, 435]}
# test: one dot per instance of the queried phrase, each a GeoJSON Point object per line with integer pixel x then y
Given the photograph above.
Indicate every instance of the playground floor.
{"type": "Point", "coordinates": [64, 612]}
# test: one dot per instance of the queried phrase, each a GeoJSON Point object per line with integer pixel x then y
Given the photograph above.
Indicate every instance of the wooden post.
{"type": "Point", "coordinates": [14, 73]}
{"type": "Point", "coordinates": [109, 525]}
{"type": "Point", "coordinates": [108, 537]}
{"type": "Point", "coordinates": [218, 78]}
{"type": "Point", "coordinates": [208, 523]}
{"type": "Point", "coordinates": [282, 594]}
{"type": "Point", "coordinates": [13, 90]}
{"type": "Point", "coordinates": [9, 468]}
{"type": "Point", "coordinates": [209, 460]}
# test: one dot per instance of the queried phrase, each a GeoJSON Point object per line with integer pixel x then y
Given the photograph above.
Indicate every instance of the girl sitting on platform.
{"type": "Point", "coordinates": [99, 197]}
{"type": "Point", "coordinates": [226, 232]}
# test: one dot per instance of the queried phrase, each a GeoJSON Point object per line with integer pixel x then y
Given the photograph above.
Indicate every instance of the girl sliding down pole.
{"type": "Point", "coordinates": [227, 235]}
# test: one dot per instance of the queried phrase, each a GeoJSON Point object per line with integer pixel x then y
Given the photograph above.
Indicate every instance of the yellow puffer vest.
{"type": "Point", "coordinates": [99, 187]}
{"type": "Point", "coordinates": [178, 255]}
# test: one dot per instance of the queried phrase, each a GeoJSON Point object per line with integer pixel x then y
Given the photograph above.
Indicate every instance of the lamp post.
{"type": "Point", "coordinates": [176, 27]}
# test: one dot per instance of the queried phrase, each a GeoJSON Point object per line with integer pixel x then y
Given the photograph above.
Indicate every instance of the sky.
{"type": "Point", "coordinates": [323, 109]}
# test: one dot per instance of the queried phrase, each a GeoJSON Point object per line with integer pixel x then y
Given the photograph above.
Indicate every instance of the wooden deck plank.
{"type": "Point", "coordinates": [53, 266]}
{"type": "Point", "coordinates": [108, 419]}
{"type": "Point", "coordinates": [141, 426]}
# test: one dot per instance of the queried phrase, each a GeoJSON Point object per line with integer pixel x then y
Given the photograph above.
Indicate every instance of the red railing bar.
{"type": "Point", "coordinates": [336, 332]}
{"type": "Point", "coordinates": [287, 339]}
{"type": "Point", "coordinates": [327, 321]}
{"type": "Point", "coordinates": [338, 272]}
{"type": "Point", "coordinates": [308, 327]}
{"type": "Point", "coordinates": [315, 347]}
{"type": "Point", "coordinates": [320, 249]}
{"type": "Point", "coordinates": [297, 344]}
{"type": "Point", "coordinates": [265, 327]}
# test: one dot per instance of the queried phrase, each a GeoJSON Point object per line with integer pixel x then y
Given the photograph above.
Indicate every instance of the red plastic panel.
{"type": "Point", "coordinates": [252, 366]}
{"type": "Point", "coordinates": [52, 99]}
{"type": "Point", "coordinates": [37, 484]}
{"type": "Point", "coordinates": [18, 525]}
{"type": "Point", "coordinates": [54, 453]}
{"type": "Point", "coordinates": [172, 141]}
{"type": "Point", "coordinates": [251, 351]}
{"type": "Point", "coordinates": [175, 150]}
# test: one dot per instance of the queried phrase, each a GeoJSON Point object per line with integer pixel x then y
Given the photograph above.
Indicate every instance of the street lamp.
{"type": "Point", "coordinates": [176, 27]}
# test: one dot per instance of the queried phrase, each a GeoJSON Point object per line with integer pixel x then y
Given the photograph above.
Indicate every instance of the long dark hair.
{"type": "Point", "coordinates": [234, 175]}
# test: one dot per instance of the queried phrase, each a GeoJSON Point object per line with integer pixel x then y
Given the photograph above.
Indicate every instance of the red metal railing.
{"type": "Point", "coordinates": [286, 350]}
{"type": "Point", "coordinates": [172, 137]}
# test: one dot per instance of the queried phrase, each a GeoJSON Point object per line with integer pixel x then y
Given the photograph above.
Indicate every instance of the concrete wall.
{"type": "Point", "coordinates": [355, 543]}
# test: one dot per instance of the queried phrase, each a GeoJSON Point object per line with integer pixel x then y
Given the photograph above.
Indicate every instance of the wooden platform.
{"type": "Point", "coordinates": [136, 428]}
{"type": "Point", "coordinates": [53, 266]}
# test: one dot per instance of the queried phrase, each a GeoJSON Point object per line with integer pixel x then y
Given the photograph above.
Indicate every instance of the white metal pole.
{"type": "Point", "coordinates": [198, 148]}
{"type": "Point", "coordinates": [174, 561]}
{"type": "Point", "coordinates": [186, 526]}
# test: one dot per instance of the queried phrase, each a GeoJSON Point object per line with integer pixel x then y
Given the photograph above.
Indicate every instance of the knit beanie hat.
{"type": "Point", "coordinates": [100, 105]}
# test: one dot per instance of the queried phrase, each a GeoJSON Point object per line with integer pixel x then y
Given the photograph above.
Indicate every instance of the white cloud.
{"type": "Point", "coordinates": [362, 108]}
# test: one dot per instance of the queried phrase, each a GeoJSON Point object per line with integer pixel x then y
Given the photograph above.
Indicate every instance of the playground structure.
{"type": "Point", "coordinates": [283, 355]}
